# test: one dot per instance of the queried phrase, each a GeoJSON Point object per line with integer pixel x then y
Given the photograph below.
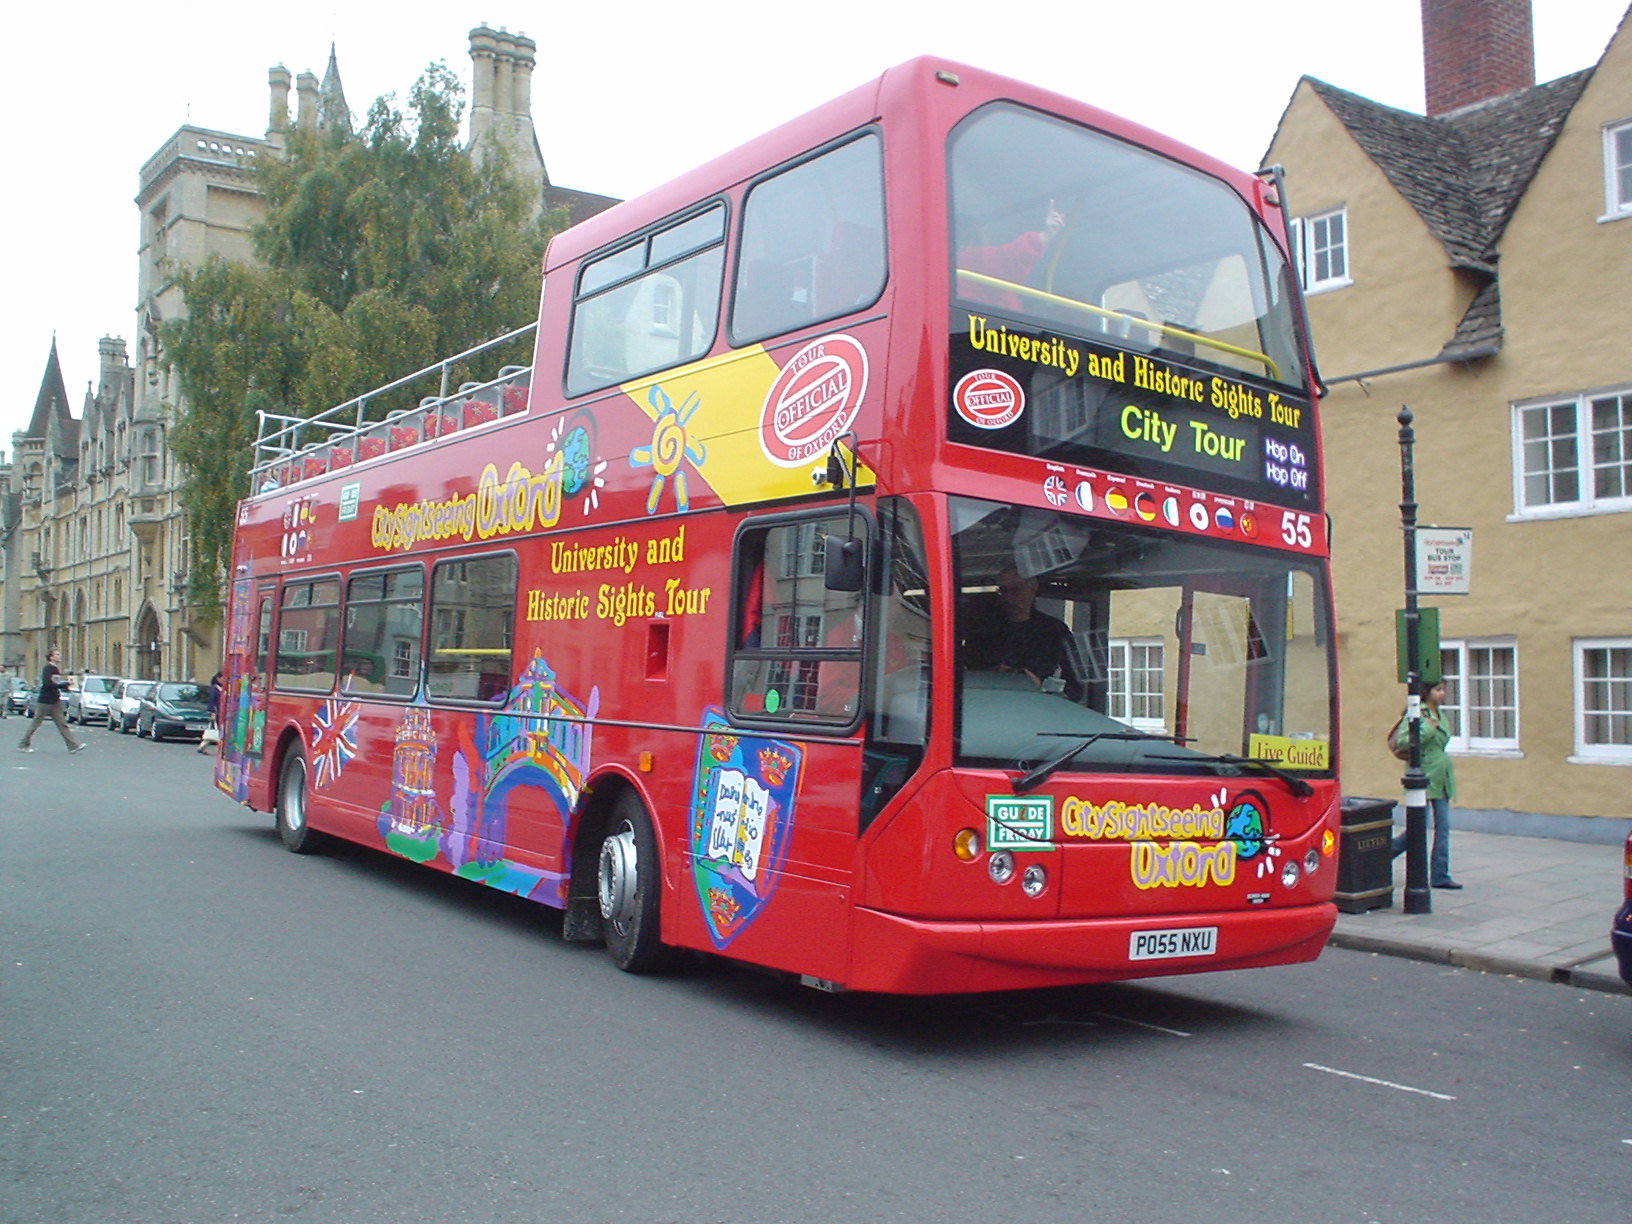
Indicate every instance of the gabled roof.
{"type": "Point", "coordinates": [1465, 171]}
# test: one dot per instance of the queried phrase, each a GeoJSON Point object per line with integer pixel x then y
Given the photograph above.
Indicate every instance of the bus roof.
{"type": "Point", "coordinates": [848, 111]}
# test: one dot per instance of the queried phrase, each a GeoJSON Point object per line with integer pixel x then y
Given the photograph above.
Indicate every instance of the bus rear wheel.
{"type": "Point", "coordinates": [295, 832]}
{"type": "Point", "coordinates": [628, 886]}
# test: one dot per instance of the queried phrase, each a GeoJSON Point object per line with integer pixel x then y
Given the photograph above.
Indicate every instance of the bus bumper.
{"type": "Point", "coordinates": [899, 955]}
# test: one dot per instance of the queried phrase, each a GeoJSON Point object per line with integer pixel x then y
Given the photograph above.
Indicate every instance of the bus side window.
{"type": "Point", "coordinates": [308, 635]}
{"type": "Point", "coordinates": [381, 645]}
{"type": "Point", "coordinates": [812, 242]}
{"type": "Point", "coordinates": [648, 305]}
{"type": "Point", "coordinates": [472, 629]}
{"type": "Point", "coordinates": [797, 653]}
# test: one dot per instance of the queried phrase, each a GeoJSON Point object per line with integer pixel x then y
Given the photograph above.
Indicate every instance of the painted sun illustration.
{"type": "Point", "coordinates": [670, 445]}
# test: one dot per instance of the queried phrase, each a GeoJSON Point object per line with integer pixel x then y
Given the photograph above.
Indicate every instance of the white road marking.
{"type": "Point", "coordinates": [1142, 1024]}
{"type": "Point", "coordinates": [1438, 1096]}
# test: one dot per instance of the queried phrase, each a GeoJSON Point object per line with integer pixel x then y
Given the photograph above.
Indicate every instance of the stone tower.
{"type": "Point", "coordinates": [501, 113]}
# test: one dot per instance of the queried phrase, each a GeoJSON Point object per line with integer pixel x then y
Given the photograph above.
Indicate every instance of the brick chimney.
{"type": "Point", "coordinates": [1475, 50]}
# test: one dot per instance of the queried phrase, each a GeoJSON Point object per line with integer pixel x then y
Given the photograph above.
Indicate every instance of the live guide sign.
{"type": "Point", "coordinates": [1030, 391]}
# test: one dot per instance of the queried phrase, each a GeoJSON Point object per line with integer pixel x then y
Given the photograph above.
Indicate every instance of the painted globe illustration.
{"type": "Point", "coordinates": [575, 461]}
{"type": "Point", "coordinates": [1245, 827]}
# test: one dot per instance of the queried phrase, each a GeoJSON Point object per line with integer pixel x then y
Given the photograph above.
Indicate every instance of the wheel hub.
{"type": "Point", "coordinates": [617, 878]}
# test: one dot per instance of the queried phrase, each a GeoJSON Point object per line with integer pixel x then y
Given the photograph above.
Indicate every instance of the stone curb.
{"type": "Point", "coordinates": [1466, 958]}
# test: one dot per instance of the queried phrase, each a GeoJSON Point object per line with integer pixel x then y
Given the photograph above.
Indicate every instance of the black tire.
{"type": "Point", "coordinates": [153, 732]}
{"type": "Point", "coordinates": [291, 813]}
{"type": "Point", "coordinates": [628, 886]}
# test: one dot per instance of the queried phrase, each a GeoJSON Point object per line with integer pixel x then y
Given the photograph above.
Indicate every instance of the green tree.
{"type": "Point", "coordinates": [380, 253]}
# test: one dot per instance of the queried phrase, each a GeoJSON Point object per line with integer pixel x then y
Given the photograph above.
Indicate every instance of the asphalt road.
{"type": "Point", "coordinates": [196, 1026]}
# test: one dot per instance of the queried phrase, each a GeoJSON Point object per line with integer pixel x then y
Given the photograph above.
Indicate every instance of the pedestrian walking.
{"type": "Point", "coordinates": [7, 684]}
{"type": "Point", "coordinates": [212, 733]}
{"type": "Point", "coordinates": [1433, 739]}
{"type": "Point", "coordinates": [48, 704]}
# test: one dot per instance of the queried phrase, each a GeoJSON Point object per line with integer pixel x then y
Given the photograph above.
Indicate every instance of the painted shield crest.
{"type": "Point", "coordinates": [741, 817]}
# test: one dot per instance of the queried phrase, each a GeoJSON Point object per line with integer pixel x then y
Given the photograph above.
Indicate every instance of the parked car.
{"type": "Point", "coordinates": [18, 699]}
{"type": "Point", "coordinates": [90, 698]}
{"type": "Point", "coordinates": [1620, 935]}
{"type": "Point", "coordinates": [127, 702]}
{"type": "Point", "coordinates": [174, 707]}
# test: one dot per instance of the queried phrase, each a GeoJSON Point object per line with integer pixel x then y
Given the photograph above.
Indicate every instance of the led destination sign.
{"type": "Point", "coordinates": [1069, 400]}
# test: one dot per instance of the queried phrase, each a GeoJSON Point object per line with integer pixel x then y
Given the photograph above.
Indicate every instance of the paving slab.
{"type": "Point", "coordinates": [1533, 906]}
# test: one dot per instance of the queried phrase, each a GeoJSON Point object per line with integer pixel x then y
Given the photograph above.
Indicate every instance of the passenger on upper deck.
{"type": "Point", "coordinates": [1013, 261]}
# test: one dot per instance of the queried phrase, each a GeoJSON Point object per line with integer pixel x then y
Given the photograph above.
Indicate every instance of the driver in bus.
{"type": "Point", "coordinates": [1006, 632]}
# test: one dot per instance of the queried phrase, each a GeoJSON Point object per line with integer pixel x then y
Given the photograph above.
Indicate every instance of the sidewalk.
{"type": "Point", "coordinates": [1532, 906]}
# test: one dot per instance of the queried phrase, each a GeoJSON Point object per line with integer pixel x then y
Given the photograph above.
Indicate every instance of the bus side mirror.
{"type": "Point", "coordinates": [843, 564]}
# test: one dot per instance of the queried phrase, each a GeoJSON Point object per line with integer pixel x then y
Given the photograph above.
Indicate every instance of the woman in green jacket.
{"type": "Point", "coordinates": [1433, 738]}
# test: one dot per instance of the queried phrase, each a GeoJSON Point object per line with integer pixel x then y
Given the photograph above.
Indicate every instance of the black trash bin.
{"type": "Point", "coordinates": [1365, 855]}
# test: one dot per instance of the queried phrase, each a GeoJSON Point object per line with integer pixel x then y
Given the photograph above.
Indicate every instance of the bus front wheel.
{"type": "Point", "coordinates": [293, 829]}
{"type": "Point", "coordinates": [628, 888]}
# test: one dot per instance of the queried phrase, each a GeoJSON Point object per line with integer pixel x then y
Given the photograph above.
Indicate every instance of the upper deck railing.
{"type": "Point", "coordinates": [290, 449]}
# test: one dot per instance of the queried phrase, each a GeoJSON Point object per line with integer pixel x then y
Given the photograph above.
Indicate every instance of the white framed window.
{"type": "Point", "coordinates": [1320, 247]}
{"type": "Point", "coordinates": [806, 551]}
{"type": "Point", "coordinates": [1482, 693]}
{"type": "Point", "coordinates": [1603, 700]}
{"type": "Point", "coordinates": [1573, 455]}
{"type": "Point", "coordinates": [1136, 695]}
{"type": "Point", "coordinates": [1617, 169]}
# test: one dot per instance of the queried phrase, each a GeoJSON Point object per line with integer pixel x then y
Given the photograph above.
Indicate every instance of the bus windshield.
{"type": "Point", "coordinates": [1169, 653]}
{"type": "Point", "coordinates": [1076, 232]}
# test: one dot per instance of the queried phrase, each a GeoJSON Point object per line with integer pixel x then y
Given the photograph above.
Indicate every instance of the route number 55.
{"type": "Point", "coordinates": [1296, 532]}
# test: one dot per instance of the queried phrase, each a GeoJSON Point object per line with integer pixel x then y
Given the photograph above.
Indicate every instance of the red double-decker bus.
{"type": "Point", "coordinates": [903, 566]}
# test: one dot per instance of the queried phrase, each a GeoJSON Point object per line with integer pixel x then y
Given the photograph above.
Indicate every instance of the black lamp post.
{"type": "Point", "coordinates": [1418, 898]}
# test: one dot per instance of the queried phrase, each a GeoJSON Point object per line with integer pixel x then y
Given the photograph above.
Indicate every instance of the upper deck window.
{"type": "Point", "coordinates": [649, 305]}
{"type": "Point", "coordinates": [1117, 309]}
{"type": "Point", "coordinates": [812, 242]}
{"type": "Point", "coordinates": [1088, 235]}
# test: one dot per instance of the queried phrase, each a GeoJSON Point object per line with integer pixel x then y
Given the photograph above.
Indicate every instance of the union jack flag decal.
{"type": "Point", "coordinates": [334, 740]}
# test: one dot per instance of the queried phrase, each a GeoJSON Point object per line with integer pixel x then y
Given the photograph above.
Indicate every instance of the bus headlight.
{"type": "Point", "coordinates": [1310, 862]}
{"type": "Point", "coordinates": [1000, 867]}
{"type": "Point", "coordinates": [1289, 873]}
{"type": "Point", "coordinates": [1033, 880]}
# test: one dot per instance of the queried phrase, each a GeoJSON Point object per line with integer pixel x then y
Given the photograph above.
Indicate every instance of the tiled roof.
{"type": "Point", "coordinates": [1479, 333]}
{"type": "Point", "coordinates": [1464, 172]}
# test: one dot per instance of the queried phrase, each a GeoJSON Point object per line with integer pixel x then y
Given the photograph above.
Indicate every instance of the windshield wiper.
{"type": "Point", "coordinates": [1045, 771]}
{"type": "Point", "coordinates": [1298, 786]}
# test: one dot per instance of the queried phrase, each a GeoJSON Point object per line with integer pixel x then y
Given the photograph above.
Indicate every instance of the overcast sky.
{"type": "Point", "coordinates": [622, 105]}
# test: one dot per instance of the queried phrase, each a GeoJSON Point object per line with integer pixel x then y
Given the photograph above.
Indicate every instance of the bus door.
{"type": "Point", "coordinates": [243, 699]}
{"type": "Point", "coordinates": [779, 803]}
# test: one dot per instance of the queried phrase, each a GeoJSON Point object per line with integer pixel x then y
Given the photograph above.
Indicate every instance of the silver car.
{"type": "Point", "coordinates": [90, 698]}
{"type": "Point", "coordinates": [127, 700]}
